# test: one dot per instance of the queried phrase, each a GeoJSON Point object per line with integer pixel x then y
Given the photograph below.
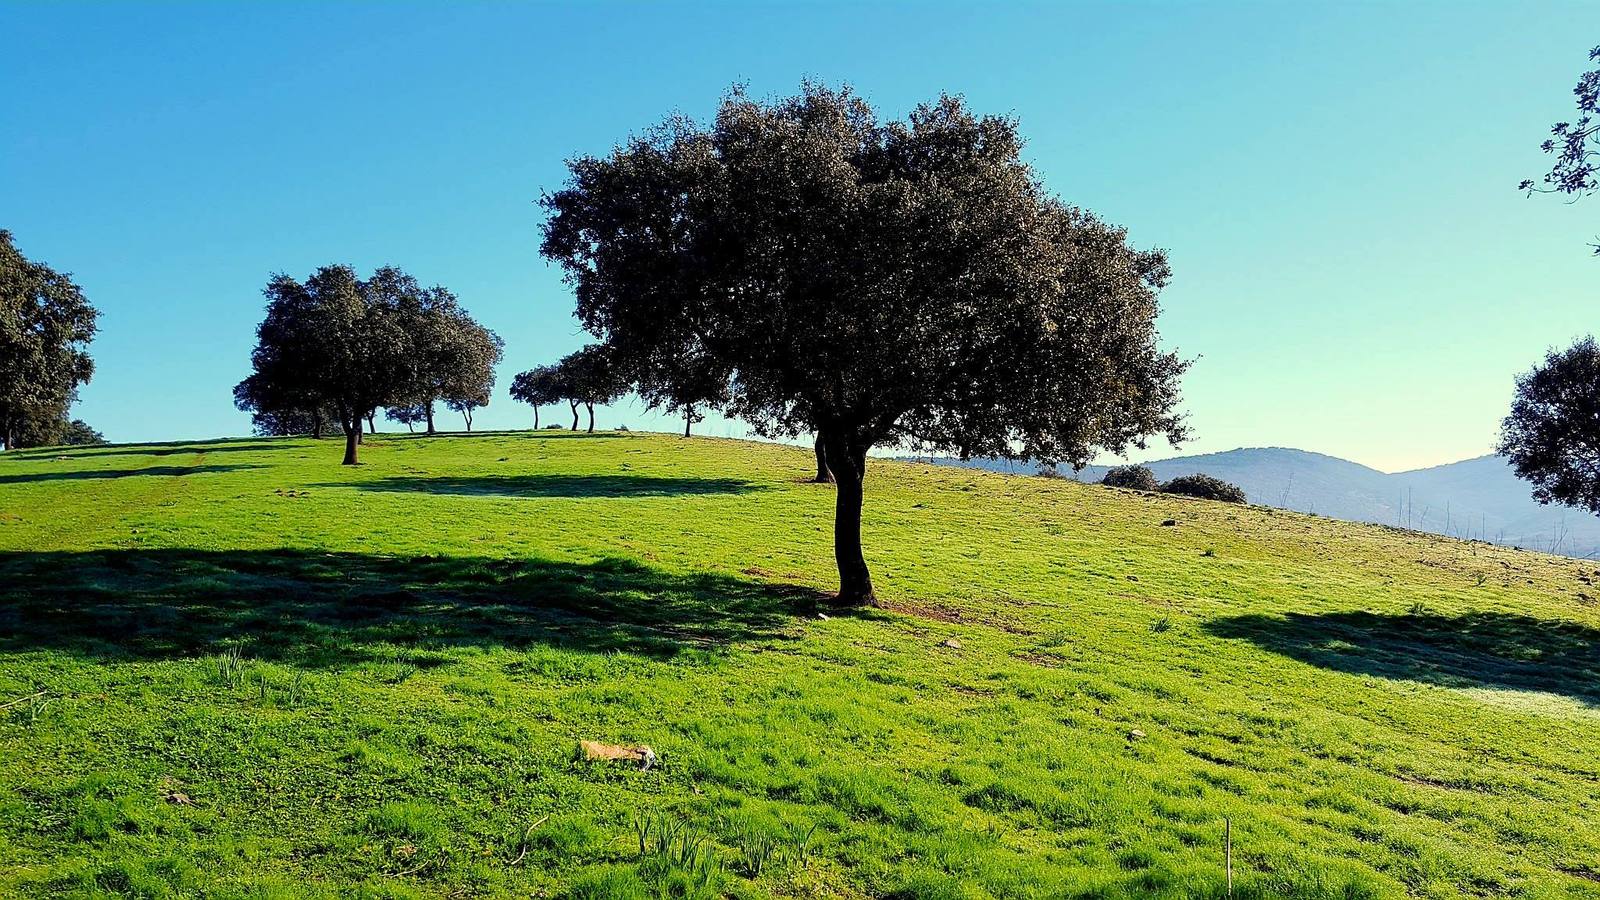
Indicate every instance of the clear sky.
{"type": "Point", "coordinates": [1336, 186]}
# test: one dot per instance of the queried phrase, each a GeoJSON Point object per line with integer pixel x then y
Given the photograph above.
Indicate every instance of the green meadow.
{"type": "Point", "coordinates": [238, 669]}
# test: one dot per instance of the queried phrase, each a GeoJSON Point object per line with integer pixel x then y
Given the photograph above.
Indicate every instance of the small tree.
{"type": "Point", "coordinates": [1138, 478]}
{"type": "Point", "coordinates": [541, 386]}
{"type": "Point", "coordinates": [904, 283]}
{"type": "Point", "coordinates": [466, 406]}
{"type": "Point", "coordinates": [408, 415]}
{"type": "Point", "coordinates": [591, 378]}
{"type": "Point", "coordinates": [1206, 488]}
{"type": "Point", "coordinates": [46, 325]}
{"type": "Point", "coordinates": [1552, 435]}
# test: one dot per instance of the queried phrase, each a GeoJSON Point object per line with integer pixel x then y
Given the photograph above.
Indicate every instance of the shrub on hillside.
{"type": "Point", "coordinates": [1205, 487]}
{"type": "Point", "coordinates": [1138, 478]}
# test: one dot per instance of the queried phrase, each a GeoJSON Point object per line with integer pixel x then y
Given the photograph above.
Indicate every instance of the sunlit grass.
{"type": "Point", "coordinates": [238, 669]}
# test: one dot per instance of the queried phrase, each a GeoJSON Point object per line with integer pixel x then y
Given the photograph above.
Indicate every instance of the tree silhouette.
{"type": "Point", "coordinates": [1552, 435]}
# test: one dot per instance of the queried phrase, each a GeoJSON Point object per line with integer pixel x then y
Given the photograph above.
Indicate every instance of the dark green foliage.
{"type": "Point", "coordinates": [1206, 488]}
{"type": "Point", "coordinates": [79, 434]}
{"type": "Point", "coordinates": [409, 416]}
{"type": "Point", "coordinates": [279, 408]}
{"type": "Point", "coordinates": [589, 377]}
{"type": "Point", "coordinates": [1552, 434]}
{"type": "Point", "coordinates": [882, 283]}
{"type": "Point", "coordinates": [1138, 478]}
{"type": "Point", "coordinates": [540, 386]}
{"type": "Point", "coordinates": [46, 325]}
{"type": "Point", "coordinates": [453, 357]}
{"type": "Point", "coordinates": [356, 345]}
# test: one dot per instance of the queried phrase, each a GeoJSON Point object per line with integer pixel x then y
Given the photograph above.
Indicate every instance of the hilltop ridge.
{"type": "Point", "coordinates": [1478, 498]}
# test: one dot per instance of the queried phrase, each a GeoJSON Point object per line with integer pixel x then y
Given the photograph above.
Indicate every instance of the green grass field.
{"type": "Point", "coordinates": [236, 669]}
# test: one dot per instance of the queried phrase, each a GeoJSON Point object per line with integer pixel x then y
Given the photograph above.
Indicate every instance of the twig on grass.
{"type": "Point", "coordinates": [524, 854]}
{"type": "Point", "coordinates": [20, 700]}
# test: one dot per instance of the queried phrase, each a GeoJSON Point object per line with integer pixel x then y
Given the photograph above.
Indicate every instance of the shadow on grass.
{"type": "Point", "coordinates": [332, 609]}
{"type": "Point", "coordinates": [557, 485]}
{"type": "Point", "coordinates": [102, 474]}
{"type": "Point", "coordinates": [503, 433]}
{"type": "Point", "coordinates": [185, 448]}
{"type": "Point", "coordinates": [1503, 651]}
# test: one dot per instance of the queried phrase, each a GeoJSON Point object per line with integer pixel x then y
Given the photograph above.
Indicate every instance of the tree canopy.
{"type": "Point", "coordinates": [541, 386]}
{"type": "Point", "coordinates": [337, 340]}
{"type": "Point", "coordinates": [453, 357]}
{"type": "Point", "coordinates": [1552, 435]}
{"type": "Point", "coordinates": [339, 345]}
{"type": "Point", "coordinates": [883, 283]}
{"type": "Point", "coordinates": [46, 325]}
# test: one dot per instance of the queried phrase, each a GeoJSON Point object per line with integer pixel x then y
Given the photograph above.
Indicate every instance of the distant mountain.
{"type": "Point", "coordinates": [1476, 498]}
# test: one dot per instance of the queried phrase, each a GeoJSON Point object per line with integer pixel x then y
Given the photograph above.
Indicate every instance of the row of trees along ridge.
{"type": "Point", "coordinates": [338, 347]}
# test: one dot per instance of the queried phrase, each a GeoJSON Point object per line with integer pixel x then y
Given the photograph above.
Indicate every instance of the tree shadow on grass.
{"type": "Point", "coordinates": [332, 610]}
{"type": "Point", "coordinates": [102, 474]}
{"type": "Point", "coordinates": [1502, 651]}
{"type": "Point", "coordinates": [185, 448]}
{"type": "Point", "coordinates": [557, 485]}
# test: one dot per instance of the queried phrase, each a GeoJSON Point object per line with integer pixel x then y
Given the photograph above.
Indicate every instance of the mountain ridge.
{"type": "Point", "coordinates": [1479, 498]}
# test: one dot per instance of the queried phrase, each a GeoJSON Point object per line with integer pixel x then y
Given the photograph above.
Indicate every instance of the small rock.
{"type": "Point", "coordinates": [822, 616]}
{"type": "Point", "coordinates": [1169, 523]}
{"type": "Point", "coordinates": [179, 798]}
{"type": "Point", "coordinates": [952, 643]}
{"type": "Point", "coordinates": [1135, 735]}
{"type": "Point", "coordinates": [1133, 578]}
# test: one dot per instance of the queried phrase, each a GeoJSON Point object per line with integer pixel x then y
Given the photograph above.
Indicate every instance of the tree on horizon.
{"type": "Point", "coordinates": [46, 326]}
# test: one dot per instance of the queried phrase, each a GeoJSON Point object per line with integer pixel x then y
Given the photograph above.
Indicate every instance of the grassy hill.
{"type": "Point", "coordinates": [236, 669]}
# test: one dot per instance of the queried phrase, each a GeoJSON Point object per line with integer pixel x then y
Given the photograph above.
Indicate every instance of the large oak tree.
{"type": "Point", "coordinates": [46, 325]}
{"type": "Point", "coordinates": [884, 283]}
{"type": "Point", "coordinates": [1552, 435]}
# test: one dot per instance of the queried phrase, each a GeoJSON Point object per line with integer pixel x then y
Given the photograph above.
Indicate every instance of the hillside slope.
{"type": "Point", "coordinates": [1475, 498]}
{"type": "Point", "coordinates": [238, 669]}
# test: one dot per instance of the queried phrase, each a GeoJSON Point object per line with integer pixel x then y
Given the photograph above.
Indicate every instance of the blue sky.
{"type": "Point", "coordinates": [1336, 186]}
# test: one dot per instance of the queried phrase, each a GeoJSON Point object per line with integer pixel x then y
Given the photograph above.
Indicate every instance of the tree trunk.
{"type": "Point", "coordinates": [574, 404]}
{"type": "Point", "coordinates": [591, 417]}
{"type": "Point", "coordinates": [352, 439]}
{"type": "Point", "coordinates": [427, 409]}
{"type": "Point", "coordinates": [372, 423]}
{"type": "Point", "coordinates": [411, 427]}
{"type": "Point", "coordinates": [536, 418]}
{"type": "Point", "coordinates": [823, 475]}
{"type": "Point", "coordinates": [688, 419]}
{"type": "Point", "coordinates": [466, 414]}
{"type": "Point", "coordinates": [849, 467]}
